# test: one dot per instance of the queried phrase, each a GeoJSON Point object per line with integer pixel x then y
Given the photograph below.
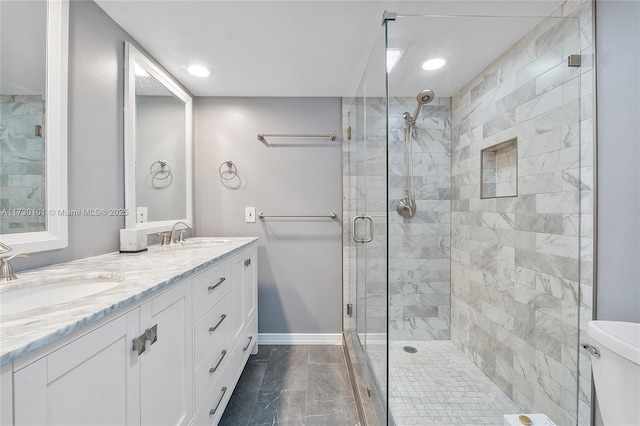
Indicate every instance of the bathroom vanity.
{"type": "Point", "coordinates": [166, 344]}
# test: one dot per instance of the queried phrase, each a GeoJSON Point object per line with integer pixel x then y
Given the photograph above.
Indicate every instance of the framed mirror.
{"type": "Point", "coordinates": [158, 146]}
{"type": "Point", "coordinates": [33, 124]}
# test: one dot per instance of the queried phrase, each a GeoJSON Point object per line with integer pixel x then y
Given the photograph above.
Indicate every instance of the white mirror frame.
{"type": "Point", "coordinates": [132, 57]}
{"type": "Point", "coordinates": [56, 235]}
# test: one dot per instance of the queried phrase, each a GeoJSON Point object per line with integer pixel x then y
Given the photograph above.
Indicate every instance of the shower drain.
{"type": "Point", "coordinates": [410, 349]}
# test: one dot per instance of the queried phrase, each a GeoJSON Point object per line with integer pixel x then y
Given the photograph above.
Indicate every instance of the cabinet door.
{"type": "Point", "coordinates": [237, 295]}
{"type": "Point", "coordinates": [6, 394]}
{"type": "Point", "coordinates": [93, 380]}
{"type": "Point", "coordinates": [250, 285]}
{"type": "Point", "coordinates": [166, 367]}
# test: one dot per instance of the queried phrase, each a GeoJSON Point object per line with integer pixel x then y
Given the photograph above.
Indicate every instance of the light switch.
{"type": "Point", "coordinates": [250, 214]}
{"type": "Point", "coordinates": [141, 216]}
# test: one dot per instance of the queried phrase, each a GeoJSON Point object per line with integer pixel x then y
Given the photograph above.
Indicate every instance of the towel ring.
{"type": "Point", "coordinates": [233, 170]}
{"type": "Point", "coordinates": [163, 170]}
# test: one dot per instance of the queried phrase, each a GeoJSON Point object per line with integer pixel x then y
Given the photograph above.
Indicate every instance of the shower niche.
{"type": "Point", "coordinates": [499, 170]}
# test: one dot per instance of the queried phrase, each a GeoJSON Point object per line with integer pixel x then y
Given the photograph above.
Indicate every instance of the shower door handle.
{"type": "Point", "coordinates": [370, 219]}
{"type": "Point", "coordinates": [353, 229]}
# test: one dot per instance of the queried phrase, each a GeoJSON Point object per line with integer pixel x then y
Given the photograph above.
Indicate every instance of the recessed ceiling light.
{"type": "Point", "coordinates": [393, 55]}
{"type": "Point", "coordinates": [433, 64]}
{"type": "Point", "coordinates": [199, 70]}
{"type": "Point", "coordinates": [140, 72]}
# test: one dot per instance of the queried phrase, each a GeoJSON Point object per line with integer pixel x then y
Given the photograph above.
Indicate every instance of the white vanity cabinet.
{"type": "Point", "coordinates": [172, 359]}
{"type": "Point", "coordinates": [6, 395]}
{"type": "Point", "coordinates": [166, 365]}
{"type": "Point", "coordinates": [233, 339]}
{"type": "Point", "coordinates": [245, 266]}
{"type": "Point", "coordinates": [94, 379]}
{"type": "Point", "coordinates": [100, 379]}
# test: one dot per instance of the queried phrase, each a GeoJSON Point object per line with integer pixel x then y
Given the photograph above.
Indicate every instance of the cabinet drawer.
{"type": "Point", "coordinates": [213, 327]}
{"type": "Point", "coordinates": [245, 345]}
{"type": "Point", "coordinates": [216, 400]}
{"type": "Point", "coordinates": [209, 287]}
{"type": "Point", "coordinates": [212, 368]}
{"type": "Point", "coordinates": [249, 338]}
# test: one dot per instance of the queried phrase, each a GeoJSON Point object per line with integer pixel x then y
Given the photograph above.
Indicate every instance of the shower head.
{"type": "Point", "coordinates": [424, 97]}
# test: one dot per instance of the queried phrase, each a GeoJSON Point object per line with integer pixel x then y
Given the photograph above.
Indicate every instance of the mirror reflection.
{"type": "Point", "coordinates": [22, 116]}
{"type": "Point", "coordinates": [160, 151]}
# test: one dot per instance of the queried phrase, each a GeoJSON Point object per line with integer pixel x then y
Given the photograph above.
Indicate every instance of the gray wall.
{"type": "Point", "coordinates": [299, 274]}
{"type": "Point", "coordinates": [96, 132]}
{"type": "Point", "coordinates": [618, 108]}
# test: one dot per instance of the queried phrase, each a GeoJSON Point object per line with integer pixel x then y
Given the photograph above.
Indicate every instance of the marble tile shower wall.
{"type": "Point", "coordinates": [516, 262]}
{"type": "Point", "coordinates": [419, 247]}
{"type": "Point", "coordinates": [22, 171]}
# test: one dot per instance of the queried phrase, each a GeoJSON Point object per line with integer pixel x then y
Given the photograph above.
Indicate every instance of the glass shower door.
{"type": "Point", "coordinates": [484, 277]}
{"type": "Point", "coordinates": [368, 211]}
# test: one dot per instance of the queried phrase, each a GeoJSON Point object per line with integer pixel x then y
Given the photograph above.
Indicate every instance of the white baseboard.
{"type": "Point", "coordinates": [299, 338]}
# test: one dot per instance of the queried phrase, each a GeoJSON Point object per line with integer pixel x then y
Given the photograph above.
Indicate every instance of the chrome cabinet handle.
{"type": "Point", "coordinates": [213, 287]}
{"type": "Point", "coordinates": [151, 334]}
{"type": "Point", "coordinates": [248, 343]}
{"type": "Point", "coordinates": [214, 368]}
{"type": "Point", "coordinates": [139, 344]}
{"type": "Point", "coordinates": [370, 219]}
{"type": "Point", "coordinates": [222, 317]}
{"type": "Point", "coordinates": [214, 409]}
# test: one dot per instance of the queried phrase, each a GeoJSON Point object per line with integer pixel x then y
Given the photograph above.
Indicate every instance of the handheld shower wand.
{"type": "Point", "coordinates": [406, 207]}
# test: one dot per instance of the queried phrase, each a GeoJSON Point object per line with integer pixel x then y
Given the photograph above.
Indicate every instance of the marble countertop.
{"type": "Point", "coordinates": [141, 274]}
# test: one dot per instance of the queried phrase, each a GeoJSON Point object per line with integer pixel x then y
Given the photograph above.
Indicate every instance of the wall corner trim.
{"type": "Point", "coordinates": [300, 338]}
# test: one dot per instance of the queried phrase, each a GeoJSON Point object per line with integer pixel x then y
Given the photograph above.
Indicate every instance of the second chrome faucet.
{"type": "Point", "coordinates": [169, 238]}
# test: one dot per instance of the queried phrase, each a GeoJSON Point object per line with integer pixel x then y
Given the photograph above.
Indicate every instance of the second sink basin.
{"type": "Point", "coordinates": [206, 242]}
{"type": "Point", "coordinates": [54, 293]}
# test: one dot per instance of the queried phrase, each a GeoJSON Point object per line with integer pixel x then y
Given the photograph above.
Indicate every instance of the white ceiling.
{"type": "Point", "coordinates": [319, 48]}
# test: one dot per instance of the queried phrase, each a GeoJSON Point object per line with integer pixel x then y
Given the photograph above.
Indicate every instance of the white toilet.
{"type": "Point", "coordinates": [615, 359]}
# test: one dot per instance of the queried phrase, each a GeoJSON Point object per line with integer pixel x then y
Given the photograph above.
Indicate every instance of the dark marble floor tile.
{"type": "Point", "coordinates": [341, 413]}
{"type": "Point", "coordinates": [240, 406]}
{"type": "Point", "coordinates": [279, 407]}
{"type": "Point", "coordinates": [328, 382]}
{"type": "Point", "coordinates": [322, 354]}
{"type": "Point", "coordinates": [293, 386]}
{"type": "Point", "coordinates": [330, 398]}
{"type": "Point", "coordinates": [239, 409]}
{"type": "Point", "coordinates": [263, 355]}
{"type": "Point", "coordinates": [287, 368]}
{"type": "Point", "coordinates": [251, 378]}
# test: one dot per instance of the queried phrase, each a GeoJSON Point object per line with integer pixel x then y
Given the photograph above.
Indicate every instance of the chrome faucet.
{"type": "Point", "coordinates": [172, 238]}
{"type": "Point", "coordinates": [6, 270]}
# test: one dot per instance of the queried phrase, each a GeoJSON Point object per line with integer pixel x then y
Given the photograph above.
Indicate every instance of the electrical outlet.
{"type": "Point", "coordinates": [250, 214]}
{"type": "Point", "coordinates": [141, 216]}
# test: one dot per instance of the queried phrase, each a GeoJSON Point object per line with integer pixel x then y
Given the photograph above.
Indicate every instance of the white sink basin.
{"type": "Point", "coordinates": [39, 296]}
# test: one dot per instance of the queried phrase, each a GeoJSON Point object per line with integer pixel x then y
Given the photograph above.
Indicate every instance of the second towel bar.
{"type": "Point", "coordinates": [262, 136]}
{"type": "Point", "coordinates": [331, 215]}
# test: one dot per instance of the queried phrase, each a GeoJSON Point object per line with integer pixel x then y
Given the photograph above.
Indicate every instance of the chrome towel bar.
{"type": "Point", "coordinates": [331, 215]}
{"type": "Point", "coordinates": [262, 136]}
